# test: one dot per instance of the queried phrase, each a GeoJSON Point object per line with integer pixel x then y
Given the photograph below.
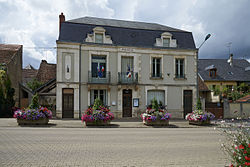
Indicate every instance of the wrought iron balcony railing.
{"type": "Point", "coordinates": [128, 78]}
{"type": "Point", "coordinates": [99, 77]}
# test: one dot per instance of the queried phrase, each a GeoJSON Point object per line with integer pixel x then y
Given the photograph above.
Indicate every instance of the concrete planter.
{"type": "Point", "coordinates": [97, 123]}
{"type": "Point", "coordinates": [43, 121]}
{"type": "Point", "coordinates": [156, 123]}
{"type": "Point", "coordinates": [199, 122]}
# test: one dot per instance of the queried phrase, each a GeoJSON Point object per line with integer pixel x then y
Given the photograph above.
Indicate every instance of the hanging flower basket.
{"type": "Point", "coordinates": [39, 116]}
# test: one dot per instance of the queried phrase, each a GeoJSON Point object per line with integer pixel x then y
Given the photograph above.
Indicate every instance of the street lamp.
{"type": "Point", "coordinates": [197, 88]}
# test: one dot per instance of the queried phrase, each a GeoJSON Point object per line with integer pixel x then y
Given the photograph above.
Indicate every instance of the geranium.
{"type": "Point", "coordinates": [96, 113]}
{"type": "Point", "coordinates": [199, 115]}
{"type": "Point", "coordinates": [32, 114]}
{"type": "Point", "coordinates": [237, 143]}
{"type": "Point", "coordinates": [155, 112]}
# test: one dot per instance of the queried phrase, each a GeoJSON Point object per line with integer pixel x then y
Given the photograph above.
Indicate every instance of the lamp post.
{"type": "Point", "coordinates": [206, 38]}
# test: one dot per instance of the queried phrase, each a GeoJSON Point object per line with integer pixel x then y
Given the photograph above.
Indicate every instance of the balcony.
{"type": "Point", "coordinates": [99, 78]}
{"type": "Point", "coordinates": [124, 78]}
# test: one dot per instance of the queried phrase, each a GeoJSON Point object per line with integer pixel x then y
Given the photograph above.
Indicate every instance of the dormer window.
{"type": "Point", "coordinates": [212, 73]}
{"type": "Point", "coordinates": [166, 42]}
{"type": "Point", "coordinates": [98, 38]}
{"type": "Point", "coordinates": [99, 35]}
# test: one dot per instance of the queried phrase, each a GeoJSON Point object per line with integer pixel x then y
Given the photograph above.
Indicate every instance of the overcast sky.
{"type": "Point", "coordinates": [34, 23]}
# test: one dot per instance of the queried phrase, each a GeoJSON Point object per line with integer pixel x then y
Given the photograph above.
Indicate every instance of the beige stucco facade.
{"type": "Point", "coordinates": [78, 63]}
{"type": "Point", "coordinates": [220, 84]}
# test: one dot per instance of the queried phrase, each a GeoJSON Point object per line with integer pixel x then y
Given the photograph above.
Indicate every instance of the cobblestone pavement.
{"type": "Point", "coordinates": [105, 147]}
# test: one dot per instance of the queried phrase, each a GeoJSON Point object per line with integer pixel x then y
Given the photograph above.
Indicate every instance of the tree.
{"type": "Point", "coordinates": [199, 105]}
{"type": "Point", "coordinates": [34, 102]}
{"type": "Point", "coordinates": [34, 84]}
{"type": "Point", "coordinates": [6, 95]}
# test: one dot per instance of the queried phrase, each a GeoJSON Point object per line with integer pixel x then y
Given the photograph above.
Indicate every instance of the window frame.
{"type": "Point", "coordinates": [93, 94]}
{"type": "Point", "coordinates": [178, 70]}
{"type": "Point", "coordinates": [156, 68]}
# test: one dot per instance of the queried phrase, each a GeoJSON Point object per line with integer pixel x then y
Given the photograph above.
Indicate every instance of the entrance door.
{"type": "Point", "coordinates": [68, 103]}
{"type": "Point", "coordinates": [187, 101]}
{"type": "Point", "coordinates": [127, 103]}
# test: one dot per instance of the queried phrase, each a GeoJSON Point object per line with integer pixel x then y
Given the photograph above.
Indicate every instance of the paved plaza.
{"type": "Point", "coordinates": [122, 147]}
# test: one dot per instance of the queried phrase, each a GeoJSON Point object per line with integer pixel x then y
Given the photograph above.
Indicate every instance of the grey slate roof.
{"type": "Point", "coordinates": [224, 71]}
{"type": "Point", "coordinates": [123, 33]}
{"type": "Point", "coordinates": [122, 23]}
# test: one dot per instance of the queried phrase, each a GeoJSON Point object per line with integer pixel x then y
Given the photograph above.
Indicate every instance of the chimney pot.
{"type": "Point", "coordinates": [61, 19]}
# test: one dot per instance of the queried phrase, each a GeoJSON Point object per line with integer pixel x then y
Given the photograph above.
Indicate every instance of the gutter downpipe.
{"type": "Point", "coordinates": [80, 59]}
{"type": "Point", "coordinates": [197, 74]}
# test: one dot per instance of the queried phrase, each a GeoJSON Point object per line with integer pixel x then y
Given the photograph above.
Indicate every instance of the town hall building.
{"type": "Point", "coordinates": [125, 64]}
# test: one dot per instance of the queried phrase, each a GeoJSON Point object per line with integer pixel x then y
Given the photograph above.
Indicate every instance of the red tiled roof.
{"type": "Point", "coordinates": [7, 51]}
{"type": "Point", "coordinates": [46, 72]}
{"type": "Point", "coordinates": [244, 99]}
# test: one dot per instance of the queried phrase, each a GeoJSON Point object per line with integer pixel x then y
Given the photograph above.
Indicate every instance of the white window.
{"type": "Point", "coordinates": [101, 94]}
{"type": "Point", "coordinates": [156, 67]}
{"type": "Point", "coordinates": [98, 38]}
{"type": "Point", "coordinates": [179, 68]}
{"type": "Point", "coordinates": [159, 95]}
{"type": "Point", "coordinates": [166, 42]}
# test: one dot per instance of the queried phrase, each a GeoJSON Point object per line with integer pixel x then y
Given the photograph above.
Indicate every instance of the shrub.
{"type": "Point", "coordinates": [237, 145]}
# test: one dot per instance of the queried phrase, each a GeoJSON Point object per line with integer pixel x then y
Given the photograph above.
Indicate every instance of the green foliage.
{"type": "Point", "coordinates": [198, 104]}
{"type": "Point", "coordinates": [216, 91]}
{"type": "Point", "coordinates": [35, 102]}
{"type": "Point", "coordinates": [34, 84]}
{"type": "Point", "coordinates": [6, 95]}
{"type": "Point", "coordinates": [155, 104]}
{"type": "Point", "coordinates": [236, 145]}
{"type": "Point", "coordinates": [97, 104]}
{"type": "Point", "coordinates": [243, 87]}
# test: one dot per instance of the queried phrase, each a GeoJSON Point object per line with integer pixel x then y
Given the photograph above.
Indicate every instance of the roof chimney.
{"type": "Point", "coordinates": [61, 19]}
{"type": "Point", "coordinates": [231, 60]}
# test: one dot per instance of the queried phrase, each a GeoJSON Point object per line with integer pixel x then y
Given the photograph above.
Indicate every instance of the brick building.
{"type": "Point", "coordinates": [11, 60]}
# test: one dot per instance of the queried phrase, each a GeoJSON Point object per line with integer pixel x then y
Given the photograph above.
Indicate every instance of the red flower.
{"type": "Point", "coordinates": [231, 165]}
{"type": "Point", "coordinates": [241, 147]}
{"type": "Point", "coordinates": [248, 145]}
{"type": "Point", "coordinates": [247, 163]}
{"type": "Point", "coordinates": [247, 158]}
{"type": "Point", "coordinates": [245, 152]}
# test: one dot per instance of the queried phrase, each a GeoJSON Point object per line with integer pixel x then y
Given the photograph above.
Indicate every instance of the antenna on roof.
{"type": "Point", "coordinates": [229, 44]}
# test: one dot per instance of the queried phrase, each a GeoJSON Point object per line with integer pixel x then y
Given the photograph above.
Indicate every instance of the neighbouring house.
{"type": "Point", "coordinates": [11, 61]}
{"type": "Point", "coordinates": [223, 73]}
{"type": "Point", "coordinates": [125, 64]}
{"type": "Point", "coordinates": [46, 74]}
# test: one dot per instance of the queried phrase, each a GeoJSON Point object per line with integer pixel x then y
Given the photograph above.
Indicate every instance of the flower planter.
{"type": "Point", "coordinates": [97, 123]}
{"type": "Point", "coordinates": [43, 121]}
{"type": "Point", "coordinates": [207, 122]}
{"type": "Point", "coordinates": [156, 123]}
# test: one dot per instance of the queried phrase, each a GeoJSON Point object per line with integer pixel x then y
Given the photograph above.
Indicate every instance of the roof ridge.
{"type": "Point", "coordinates": [105, 20]}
